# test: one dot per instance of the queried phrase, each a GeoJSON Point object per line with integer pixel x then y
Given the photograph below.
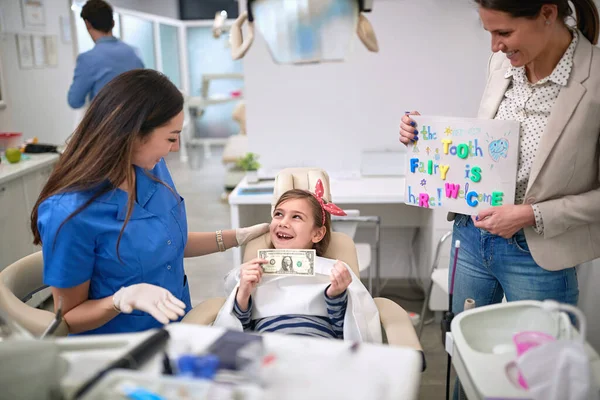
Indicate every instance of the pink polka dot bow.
{"type": "Point", "coordinates": [329, 207]}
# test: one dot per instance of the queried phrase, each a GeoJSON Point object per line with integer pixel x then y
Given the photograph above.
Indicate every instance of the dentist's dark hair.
{"type": "Point", "coordinates": [98, 157]}
{"type": "Point", "coordinates": [586, 12]}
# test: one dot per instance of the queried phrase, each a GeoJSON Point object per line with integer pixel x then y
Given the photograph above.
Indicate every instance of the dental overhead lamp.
{"type": "Point", "coordinates": [303, 31]}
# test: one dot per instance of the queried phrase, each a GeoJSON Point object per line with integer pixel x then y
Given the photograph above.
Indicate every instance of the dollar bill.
{"type": "Point", "coordinates": [288, 262]}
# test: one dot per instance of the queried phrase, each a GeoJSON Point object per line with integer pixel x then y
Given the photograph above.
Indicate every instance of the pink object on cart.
{"type": "Point", "coordinates": [527, 340]}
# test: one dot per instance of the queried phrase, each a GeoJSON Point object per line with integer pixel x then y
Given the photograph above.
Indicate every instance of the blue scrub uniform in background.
{"type": "Point", "coordinates": [151, 248]}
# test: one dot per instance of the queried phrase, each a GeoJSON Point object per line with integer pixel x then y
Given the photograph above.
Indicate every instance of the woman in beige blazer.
{"type": "Point", "coordinates": [545, 75]}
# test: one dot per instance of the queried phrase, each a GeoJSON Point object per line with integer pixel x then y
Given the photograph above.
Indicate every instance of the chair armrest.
{"type": "Point", "coordinates": [32, 319]}
{"type": "Point", "coordinates": [398, 327]}
{"type": "Point", "coordinates": [204, 313]}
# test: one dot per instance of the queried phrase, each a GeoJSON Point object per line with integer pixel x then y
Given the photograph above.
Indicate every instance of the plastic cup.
{"type": "Point", "coordinates": [527, 340]}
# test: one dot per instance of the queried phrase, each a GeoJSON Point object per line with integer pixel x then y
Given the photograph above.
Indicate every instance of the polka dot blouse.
{"type": "Point", "coordinates": [530, 104]}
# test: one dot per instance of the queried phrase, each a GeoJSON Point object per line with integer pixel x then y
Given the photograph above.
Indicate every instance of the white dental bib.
{"type": "Point", "coordinates": [291, 295]}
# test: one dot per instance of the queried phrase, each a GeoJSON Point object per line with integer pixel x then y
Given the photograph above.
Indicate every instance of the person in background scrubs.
{"type": "Point", "coordinates": [109, 57]}
{"type": "Point", "coordinates": [112, 226]}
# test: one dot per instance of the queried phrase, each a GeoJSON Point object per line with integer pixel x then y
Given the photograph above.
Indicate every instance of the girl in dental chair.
{"type": "Point", "coordinates": [332, 304]}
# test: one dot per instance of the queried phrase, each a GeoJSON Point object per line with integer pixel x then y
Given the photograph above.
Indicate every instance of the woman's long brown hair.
{"type": "Point", "coordinates": [317, 211]}
{"type": "Point", "coordinates": [98, 156]}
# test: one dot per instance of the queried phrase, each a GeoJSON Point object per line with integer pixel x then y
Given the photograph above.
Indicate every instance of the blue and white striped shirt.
{"type": "Point", "coordinates": [306, 325]}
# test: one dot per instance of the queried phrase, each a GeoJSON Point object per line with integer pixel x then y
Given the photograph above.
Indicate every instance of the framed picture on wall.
{"type": "Point", "coordinates": [2, 100]}
{"type": "Point", "coordinates": [25, 51]}
{"type": "Point", "coordinates": [50, 44]}
{"type": "Point", "coordinates": [39, 51]}
{"type": "Point", "coordinates": [2, 23]}
{"type": "Point", "coordinates": [33, 13]}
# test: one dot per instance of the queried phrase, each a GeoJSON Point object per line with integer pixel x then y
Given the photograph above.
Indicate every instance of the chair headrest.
{"type": "Point", "coordinates": [299, 178]}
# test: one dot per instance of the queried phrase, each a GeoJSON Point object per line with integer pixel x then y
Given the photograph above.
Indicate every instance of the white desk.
{"type": "Point", "coordinates": [383, 196]}
{"type": "Point", "coordinates": [399, 367]}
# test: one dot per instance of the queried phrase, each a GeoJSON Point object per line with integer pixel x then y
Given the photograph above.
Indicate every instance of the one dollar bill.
{"type": "Point", "coordinates": [288, 262]}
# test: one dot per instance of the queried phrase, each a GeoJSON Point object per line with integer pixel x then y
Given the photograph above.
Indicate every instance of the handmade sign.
{"type": "Point", "coordinates": [462, 165]}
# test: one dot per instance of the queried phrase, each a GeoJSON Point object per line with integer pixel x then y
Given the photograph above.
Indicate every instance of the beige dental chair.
{"type": "Point", "coordinates": [397, 327]}
{"type": "Point", "coordinates": [19, 280]}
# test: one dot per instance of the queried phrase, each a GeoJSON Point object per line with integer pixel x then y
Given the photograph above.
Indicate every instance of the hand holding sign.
{"type": "Point", "coordinates": [461, 165]}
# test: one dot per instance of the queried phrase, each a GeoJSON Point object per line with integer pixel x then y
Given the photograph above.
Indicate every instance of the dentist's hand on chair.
{"type": "Point", "coordinates": [244, 235]}
{"type": "Point", "coordinates": [154, 300]}
{"type": "Point", "coordinates": [408, 128]}
{"type": "Point", "coordinates": [340, 280]}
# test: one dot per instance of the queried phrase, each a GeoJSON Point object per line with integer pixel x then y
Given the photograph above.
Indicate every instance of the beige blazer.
{"type": "Point", "coordinates": [565, 175]}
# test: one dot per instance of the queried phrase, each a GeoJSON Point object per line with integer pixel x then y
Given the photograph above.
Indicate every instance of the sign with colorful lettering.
{"type": "Point", "coordinates": [462, 165]}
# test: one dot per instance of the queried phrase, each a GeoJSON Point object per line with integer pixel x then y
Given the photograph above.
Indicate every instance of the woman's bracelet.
{"type": "Point", "coordinates": [220, 242]}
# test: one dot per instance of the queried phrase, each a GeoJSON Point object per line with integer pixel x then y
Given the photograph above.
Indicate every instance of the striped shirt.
{"type": "Point", "coordinates": [306, 325]}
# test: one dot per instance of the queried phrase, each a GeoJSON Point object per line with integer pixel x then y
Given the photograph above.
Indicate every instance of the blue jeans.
{"type": "Point", "coordinates": [490, 267]}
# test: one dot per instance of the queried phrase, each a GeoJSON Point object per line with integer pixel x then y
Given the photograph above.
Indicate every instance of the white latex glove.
{"type": "Point", "coordinates": [244, 235]}
{"type": "Point", "coordinates": [154, 300]}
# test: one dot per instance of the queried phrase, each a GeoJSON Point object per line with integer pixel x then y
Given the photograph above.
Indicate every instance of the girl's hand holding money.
{"type": "Point", "coordinates": [250, 275]}
{"type": "Point", "coordinates": [340, 280]}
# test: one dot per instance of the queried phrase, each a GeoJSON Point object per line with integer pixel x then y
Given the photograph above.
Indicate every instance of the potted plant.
{"type": "Point", "coordinates": [250, 165]}
{"type": "Point", "coordinates": [245, 166]}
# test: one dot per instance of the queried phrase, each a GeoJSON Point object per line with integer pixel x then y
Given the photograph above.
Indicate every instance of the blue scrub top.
{"type": "Point", "coordinates": [151, 248]}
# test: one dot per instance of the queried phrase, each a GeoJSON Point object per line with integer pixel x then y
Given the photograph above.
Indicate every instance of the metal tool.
{"type": "Point", "coordinates": [56, 322]}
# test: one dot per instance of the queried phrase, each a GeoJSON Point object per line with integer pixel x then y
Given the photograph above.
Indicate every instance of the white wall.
{"type": "Point", "coordinates": [36, 98]}
{"type": "Point", "coordinates": [165, 8]}
{"type": "Point", "coordinates": [427, 61]}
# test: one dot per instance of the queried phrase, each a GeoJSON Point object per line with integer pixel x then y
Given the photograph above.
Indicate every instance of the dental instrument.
{"type": "Point", "coordinates": [57, 320]}
{"type": "Point", "coordinates": [134, 359]}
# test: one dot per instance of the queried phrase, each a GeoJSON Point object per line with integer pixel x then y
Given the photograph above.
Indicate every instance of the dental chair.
{"type": "Point", "coordinates": [17, 282]}
{"type": "Point", "coordinates": [397, 327]}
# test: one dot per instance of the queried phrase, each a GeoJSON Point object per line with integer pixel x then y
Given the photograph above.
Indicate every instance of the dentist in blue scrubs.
{"type": "Point", "coordinates": [111, 224]}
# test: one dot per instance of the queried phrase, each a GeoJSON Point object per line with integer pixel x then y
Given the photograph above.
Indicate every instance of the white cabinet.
{"type": "Point", "coordinates": [20, 186]}
{"type": "Point", "coordinates": [15, 239]}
